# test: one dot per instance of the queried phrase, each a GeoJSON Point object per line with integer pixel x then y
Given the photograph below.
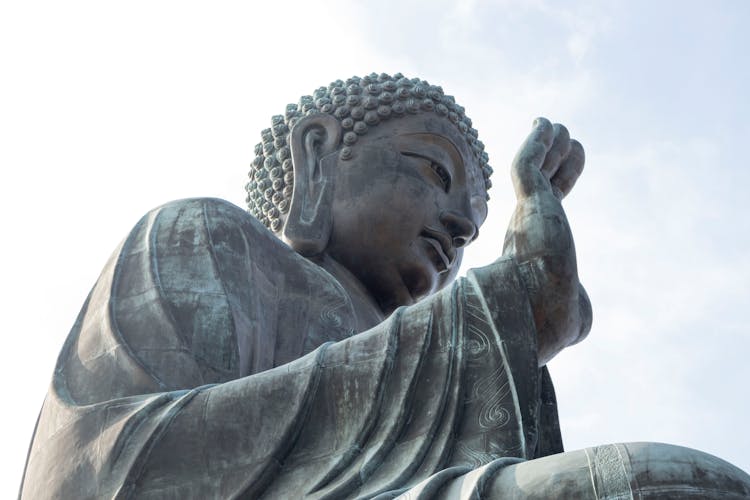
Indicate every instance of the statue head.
{"type": "Point", "coordinates": [383, 174]}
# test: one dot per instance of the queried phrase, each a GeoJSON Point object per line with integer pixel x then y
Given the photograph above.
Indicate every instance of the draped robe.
{"type": "Point", "coordinates": [212, 361]}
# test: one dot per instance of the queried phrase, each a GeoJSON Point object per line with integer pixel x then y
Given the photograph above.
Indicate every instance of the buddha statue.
{"type": "Point", "coordinates": [320, 345]}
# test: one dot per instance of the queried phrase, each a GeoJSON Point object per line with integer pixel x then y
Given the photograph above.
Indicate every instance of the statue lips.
{"type": "Point", "coordinates": [445, 254]}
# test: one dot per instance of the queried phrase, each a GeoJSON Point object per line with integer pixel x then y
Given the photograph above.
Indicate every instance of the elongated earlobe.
{"type": "Point", "coordinates": [308, 223]}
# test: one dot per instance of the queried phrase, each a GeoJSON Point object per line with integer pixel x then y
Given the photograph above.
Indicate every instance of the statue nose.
{"type": "Point", "coordinates": [461, 229]}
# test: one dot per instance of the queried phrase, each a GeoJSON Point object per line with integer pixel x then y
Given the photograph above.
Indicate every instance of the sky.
{"type": "Point", "coordinates": [110, 109]}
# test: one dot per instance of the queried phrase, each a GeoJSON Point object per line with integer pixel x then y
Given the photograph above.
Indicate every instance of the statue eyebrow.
{"type": "Point", "coordinates": [438, 147]}
{"type": "Point", "coordinates": [441, 171]}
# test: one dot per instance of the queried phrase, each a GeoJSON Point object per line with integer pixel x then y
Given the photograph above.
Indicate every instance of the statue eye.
{"type": "Point", "coordinates": [439, 172]}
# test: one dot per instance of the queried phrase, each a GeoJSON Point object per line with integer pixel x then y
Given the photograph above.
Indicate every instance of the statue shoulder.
{"type": "Point", "coordinates": [210, 246]}
{"type": "Point", "coordinates": [183, 217]}
{"type": "Point", "coordinates": [227, 280]}
{"type": "Point", "coordinates": [221, 231]}
{"type": "Point", "coordinates": [209, 275]}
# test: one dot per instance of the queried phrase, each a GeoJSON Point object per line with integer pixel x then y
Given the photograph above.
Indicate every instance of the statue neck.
{"type": "Point", "coordinates": [366, 308]}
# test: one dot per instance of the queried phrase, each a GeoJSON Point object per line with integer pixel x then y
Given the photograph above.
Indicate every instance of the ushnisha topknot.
{"type": "Point", "coordinates": [358, 104]}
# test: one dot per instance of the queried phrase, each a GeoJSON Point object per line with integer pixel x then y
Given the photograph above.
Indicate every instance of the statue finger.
{"type": "Point", "coordinates": [526, 169]}
{"type": "Point", "coordinates": [570, 170]}
{"type": "Point", "coordinates": [558, 152]}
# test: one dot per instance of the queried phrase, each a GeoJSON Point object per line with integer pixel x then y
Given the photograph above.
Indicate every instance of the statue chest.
{"type": "Point", "coordinates": [292, 313]}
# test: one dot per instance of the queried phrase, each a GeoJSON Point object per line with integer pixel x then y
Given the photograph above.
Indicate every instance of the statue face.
{"type": "Point", "coordinates": [404, 207]}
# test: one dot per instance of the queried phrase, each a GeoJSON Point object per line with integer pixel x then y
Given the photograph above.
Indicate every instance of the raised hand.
{"type": "Point", "coordinates": [539, 239]}
{"type": "Point", "coordinates": [548, 151]}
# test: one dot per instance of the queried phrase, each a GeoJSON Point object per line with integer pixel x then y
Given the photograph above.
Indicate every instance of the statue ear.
{"type": "Point", "coordinates": [308, 223]}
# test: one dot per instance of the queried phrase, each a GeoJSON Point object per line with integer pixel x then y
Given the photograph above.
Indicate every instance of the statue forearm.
{"type": "Point", "coordinates": [539, 240]}
{"type": "Point", "coordinates": [561, 307]}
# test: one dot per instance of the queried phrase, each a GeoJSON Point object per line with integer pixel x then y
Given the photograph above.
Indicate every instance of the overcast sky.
{"type": "Point", "coordinates": [108, 110]}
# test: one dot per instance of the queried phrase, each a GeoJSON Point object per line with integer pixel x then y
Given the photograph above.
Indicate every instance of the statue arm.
{"type": "Point", "coordinates": [540, 241]}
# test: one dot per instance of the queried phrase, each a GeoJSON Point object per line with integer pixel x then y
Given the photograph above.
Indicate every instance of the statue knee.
{"type": "Point", "coordinates": [629, 470]}
{"type": "Point", "coordinates": [657, 470]}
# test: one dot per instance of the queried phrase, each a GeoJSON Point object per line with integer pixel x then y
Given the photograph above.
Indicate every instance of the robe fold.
{"type": "Point", "coordinates": [211, 361]}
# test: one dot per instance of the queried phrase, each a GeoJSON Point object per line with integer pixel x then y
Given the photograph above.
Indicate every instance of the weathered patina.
{"type": "Point", "coordinates": [320, 345]}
